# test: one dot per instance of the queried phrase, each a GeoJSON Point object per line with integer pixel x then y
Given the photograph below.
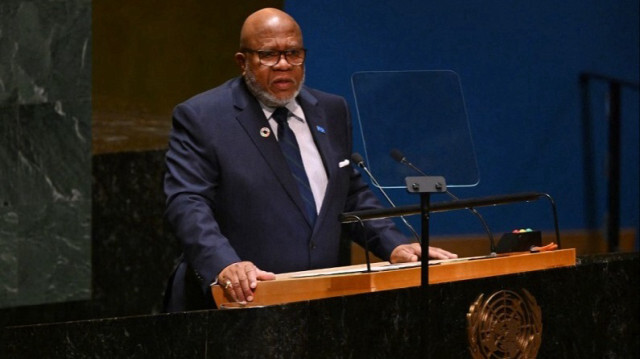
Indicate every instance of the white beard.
{"type": "Point", "coordinates": [263, 95]}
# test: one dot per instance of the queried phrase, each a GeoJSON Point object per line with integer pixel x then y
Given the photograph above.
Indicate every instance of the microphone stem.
{"type": "Point", "coordinates": [484, 223]}
{"type": "Point", "coordinates": [375, 182]}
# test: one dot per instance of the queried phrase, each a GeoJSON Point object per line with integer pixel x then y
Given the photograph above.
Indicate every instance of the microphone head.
{"type": "Point", "coordinates": [397, 155]}
{"type": "Point", "coordinates": [357, 159]}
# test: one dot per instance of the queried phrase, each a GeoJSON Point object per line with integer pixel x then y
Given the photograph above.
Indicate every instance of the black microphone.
{"type": "Point", "coordinates": [399, 157]}
{"type": "Point", "coordinates": [359, 161]}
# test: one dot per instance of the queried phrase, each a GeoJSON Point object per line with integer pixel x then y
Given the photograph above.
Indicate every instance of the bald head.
{"type": "Point", "coordinates": [269, 40]}
{"type": "Point", "coordinates": [266, 23]}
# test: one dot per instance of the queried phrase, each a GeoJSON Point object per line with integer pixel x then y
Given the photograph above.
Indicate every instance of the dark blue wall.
{"type": "Point", "coordinates": [519, 63]}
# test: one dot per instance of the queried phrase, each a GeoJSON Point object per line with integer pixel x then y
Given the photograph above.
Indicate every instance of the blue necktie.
{"type": "Point", "coordinates": [291, 152]}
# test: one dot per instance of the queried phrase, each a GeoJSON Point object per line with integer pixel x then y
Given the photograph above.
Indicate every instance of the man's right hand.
{"type": "Point", "coordinates": [240, 279]}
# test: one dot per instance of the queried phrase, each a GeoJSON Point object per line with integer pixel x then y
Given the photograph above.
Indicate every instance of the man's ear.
{"type": "Point", "coordinates": [240, 60]}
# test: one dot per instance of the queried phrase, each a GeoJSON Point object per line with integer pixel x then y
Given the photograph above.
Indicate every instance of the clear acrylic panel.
{"type": "Point", "coordinates": [420, 113]}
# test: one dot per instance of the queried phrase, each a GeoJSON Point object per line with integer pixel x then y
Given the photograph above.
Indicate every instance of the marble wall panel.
{"type": "Point", "coordinates": [46, 206]}
{"type": "Point", "coordinates": [8, 250]}
{"type": "Point", "coordinates": [45, 158]}
{"type": "Point", "coordinates": [132, 250]}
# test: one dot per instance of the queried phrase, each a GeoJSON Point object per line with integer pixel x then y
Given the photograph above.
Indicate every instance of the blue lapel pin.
{"type": "Point", "coordinates": [321, 129]}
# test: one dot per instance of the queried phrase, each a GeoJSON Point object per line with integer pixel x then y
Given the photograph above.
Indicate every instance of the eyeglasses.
{"type": "Point", "coordinates": [271, 57]}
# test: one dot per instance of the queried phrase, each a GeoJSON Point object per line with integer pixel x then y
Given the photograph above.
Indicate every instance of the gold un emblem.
{"type": "Point", "coordinates": [505, 325]}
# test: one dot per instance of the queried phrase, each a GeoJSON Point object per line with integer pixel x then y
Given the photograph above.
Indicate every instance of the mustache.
{"type": "Point", "coordinates": [263, 95]}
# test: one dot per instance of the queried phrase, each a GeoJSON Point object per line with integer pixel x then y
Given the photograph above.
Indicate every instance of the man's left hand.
{"type": "Point", "coordinates": [412, 253]}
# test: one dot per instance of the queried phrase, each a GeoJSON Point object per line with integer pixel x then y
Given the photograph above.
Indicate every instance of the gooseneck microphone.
{"type": "Point", "coordinates": [359, 161]}
{"type": "Point", "coordinates": [400, 157]}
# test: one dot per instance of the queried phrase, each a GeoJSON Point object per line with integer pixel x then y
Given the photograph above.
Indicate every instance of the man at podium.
{"type": "Point", "coordinates": [258, 172]}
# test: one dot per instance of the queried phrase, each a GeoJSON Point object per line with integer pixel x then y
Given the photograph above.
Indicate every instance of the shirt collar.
{"type": "Point", "coordinates": [293, 107]}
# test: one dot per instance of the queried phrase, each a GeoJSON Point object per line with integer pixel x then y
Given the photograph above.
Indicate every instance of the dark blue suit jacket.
{"type": "Point", "coordinates": [231, 196]}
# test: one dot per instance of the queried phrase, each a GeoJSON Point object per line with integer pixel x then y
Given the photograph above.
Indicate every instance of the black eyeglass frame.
{"type": "Point", "coordinates": [286, 53]}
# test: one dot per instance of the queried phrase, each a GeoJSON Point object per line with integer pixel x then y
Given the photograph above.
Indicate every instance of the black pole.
{"type": "Point", "coordinates": [425, 201]}
{"type": "Point", "coordinates": [588, 159]}
{"type": "Point", "coordinates": [613, 222]}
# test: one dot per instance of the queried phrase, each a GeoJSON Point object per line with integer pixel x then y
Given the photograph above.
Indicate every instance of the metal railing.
{"type": "Point", "coordinates": [613, 105]}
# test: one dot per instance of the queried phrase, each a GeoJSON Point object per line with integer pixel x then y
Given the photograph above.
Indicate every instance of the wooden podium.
{"type": "Point", "coordinates": [349, 280]}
